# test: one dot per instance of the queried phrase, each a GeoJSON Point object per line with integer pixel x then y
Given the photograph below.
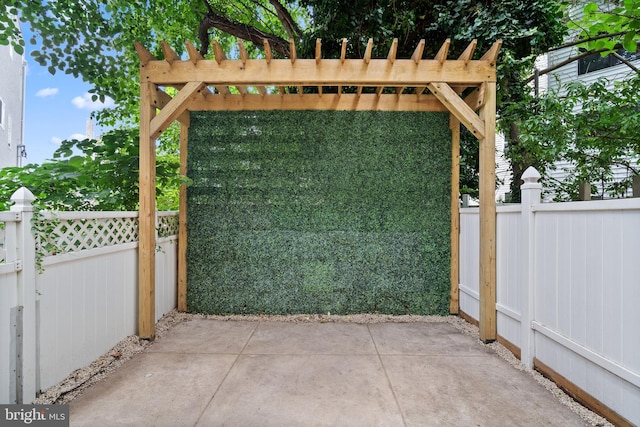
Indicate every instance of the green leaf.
{"type": "Point", "coordinates": [629, 42]}
{"type": "Point", "coordinates": [590, 8]}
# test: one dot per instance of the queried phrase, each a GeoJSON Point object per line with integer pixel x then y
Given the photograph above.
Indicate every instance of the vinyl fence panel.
{"type": "Point", "coordinates": [68, 290]}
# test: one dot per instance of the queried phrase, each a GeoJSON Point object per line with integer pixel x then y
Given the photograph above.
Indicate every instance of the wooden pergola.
{"type": "Point", "coordinates": [464, 87]}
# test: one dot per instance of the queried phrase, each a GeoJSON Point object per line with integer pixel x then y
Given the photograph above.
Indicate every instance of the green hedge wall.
{"type": "Point", "coordinates": [318, 211]}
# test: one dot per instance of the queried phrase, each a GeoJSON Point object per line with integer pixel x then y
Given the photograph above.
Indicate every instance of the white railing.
{"type": "Point", "coordinates": [68, 290]}
{"type": "Point", "coordinates": [567, 290]}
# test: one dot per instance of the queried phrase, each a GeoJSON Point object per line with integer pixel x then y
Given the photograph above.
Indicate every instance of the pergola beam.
{"type": "Point", "coordinates": [458, 108]}
{"type": "Point", "coordinates": [173, 109]}
{"type": "Point", "coordinates": [161, 98]}
{"type": "Point", "coordinates": [328, 72]}
{"type": "Point", "coordinates": [328, 101]}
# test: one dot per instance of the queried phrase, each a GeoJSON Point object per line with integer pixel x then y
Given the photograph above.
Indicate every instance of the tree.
{"type": "Point", "coordinates": [94, 38]}
{"type": "Point", "coordinates": [607, 26]}
{"type": "Point", "coordinates": [528, 30]}
{"type": "Point", "coordinates": [601, 135]}
{"type": "Point", "coordinates": [90, 174]}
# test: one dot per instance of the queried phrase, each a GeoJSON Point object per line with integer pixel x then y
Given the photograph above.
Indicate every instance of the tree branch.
{"type": "Point", "coordinates": [565, 62]}
{"type": "Point", "coordinates": [590, 39]}
{"type": "Point", "coordinates": [240, 30]}
{"type": "Point", "coordinates": [625, 61]}
{"type": "Point", "coordinates": [290, 25]}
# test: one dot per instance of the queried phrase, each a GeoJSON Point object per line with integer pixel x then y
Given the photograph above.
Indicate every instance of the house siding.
{"type": "Point", "coordinates": [12, 83]}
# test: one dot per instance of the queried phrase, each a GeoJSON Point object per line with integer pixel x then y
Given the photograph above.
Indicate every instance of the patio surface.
{"type": "Point", "coordinates": [240, 373]}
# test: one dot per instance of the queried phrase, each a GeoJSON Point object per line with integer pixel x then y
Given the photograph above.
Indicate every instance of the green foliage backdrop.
{"type": "Point", "coordinates": [318, 211]}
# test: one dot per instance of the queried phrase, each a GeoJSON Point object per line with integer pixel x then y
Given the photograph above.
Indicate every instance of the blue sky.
{"type": "Point", "coordinates": [56, 108]}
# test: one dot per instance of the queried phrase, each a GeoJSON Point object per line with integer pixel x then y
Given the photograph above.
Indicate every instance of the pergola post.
{"type": "Point", "coordinates": [488, 325]}
{"type": "Point", "coordinates": [147, 216]}
{"type": "Point", "coordinates": [182, 224]}
{"type": "Point", "coordinates": [454, 298]}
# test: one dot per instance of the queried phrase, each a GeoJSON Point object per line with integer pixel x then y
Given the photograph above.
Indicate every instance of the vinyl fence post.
{"type": "Point", "coordinates": [531, 192]}
{"type": "Point", "coordinates": [26, 251]}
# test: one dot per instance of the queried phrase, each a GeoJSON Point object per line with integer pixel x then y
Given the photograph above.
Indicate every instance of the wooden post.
{"type": "Point", "coordinates": [584, 191]}
{"type": "Point", "coordinates": [147, 217]}
{"type": "Point", "coordinates": [454, 298]}
{"type": "Point", "coordinates": [182, 231]}
{"type": "Point", "coordinates": [488, 326]}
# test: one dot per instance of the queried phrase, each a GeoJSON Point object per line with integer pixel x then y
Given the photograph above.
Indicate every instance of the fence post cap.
{"type": "Point", "coordinates": [23, 200]}
{"type": "Point", "coordinates": [531, 175]}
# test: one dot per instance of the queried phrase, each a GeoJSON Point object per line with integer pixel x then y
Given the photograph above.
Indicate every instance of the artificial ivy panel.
{"type": "Point", "coordinates": [318, 211]}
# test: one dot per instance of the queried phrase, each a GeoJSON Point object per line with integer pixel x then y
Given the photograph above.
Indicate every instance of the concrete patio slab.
{"type": "Point", "coordinates": [304, 390]}
{"type": "Point", "coordinates": [471, 390]}
{"type": "Point", "coordinates": [204, 336]}
{"type": "Point", "coordinates": [423, 338]}
{"type": "Point", "coordinates": [208, 372]}
{"type": "Point", "coordinates": [153, 389]}
{"type": "Point", "coordinates": [311, 338]}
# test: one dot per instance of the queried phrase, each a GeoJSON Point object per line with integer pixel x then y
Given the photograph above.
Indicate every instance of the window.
{"type": "Point", "coordinates": [597, 62]}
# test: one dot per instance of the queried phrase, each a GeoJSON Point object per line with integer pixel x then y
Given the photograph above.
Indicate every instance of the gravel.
{"type": "Point", "coordinates": [80, 379]}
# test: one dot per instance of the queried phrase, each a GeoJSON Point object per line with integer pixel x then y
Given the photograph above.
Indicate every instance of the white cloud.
{"type": "Point", "coordinates": [57, 140]}
{"type": "Point", "coordinates": [85, 102]}
{"type": "Point", "coordinates": [48, 91]}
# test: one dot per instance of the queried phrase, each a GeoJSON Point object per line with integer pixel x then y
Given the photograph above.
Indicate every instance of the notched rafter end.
{"type": "Point", "coordinates": [417, 53]}
{"type": "Point", "coordinates": [268, 55]}
{"type": "Point", "coordinates": [393, 50]}
{"type": "Point", "coordinates": [367, 52]}
{"type": "Point", "coordinates": [492, 54]}
{"type": "Point", "coordinates": [441, 56]}
{"type": "Point", "coordinates": [292, 50]}
{"type": "Point", "coordinates": [218, 53]}
{"type": "Point", "coordinates": [170, 55]}
{"type": "Point", "coordinates": [244, 55]}
{"type": "Point", "coordinates": [343, 50]}
{"type": "Point", "coordinates": [194, 55]}
{"type": "Point", "coordinates": [318, 50]}
{"type": "Point", "coordinates": [144, 55]}
{"type": "Point", "coordinates": [468, 52]}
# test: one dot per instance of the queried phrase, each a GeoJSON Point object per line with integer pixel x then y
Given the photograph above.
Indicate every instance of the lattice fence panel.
{"type": "Point", "coordinates": [57, 236]}
{"type": "Point", "coordinates": [167, 225]}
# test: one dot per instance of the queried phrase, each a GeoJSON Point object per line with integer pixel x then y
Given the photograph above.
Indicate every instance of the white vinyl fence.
{"type": "Point", "coordinates": [68, 290]}
{"type": "Point", "coordinates": [568, 290]}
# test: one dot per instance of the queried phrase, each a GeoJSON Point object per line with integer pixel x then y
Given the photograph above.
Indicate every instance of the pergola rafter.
{"type": "Point", "coordinates": [386, 84]}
